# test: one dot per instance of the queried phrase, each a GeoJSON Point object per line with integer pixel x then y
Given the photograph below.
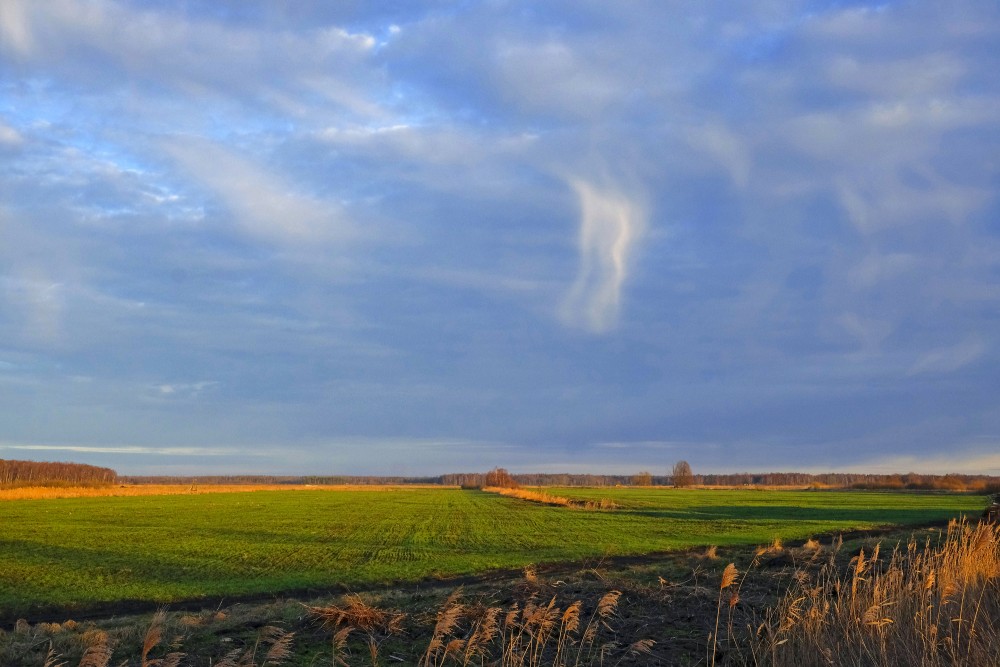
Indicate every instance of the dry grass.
{"type": "Point", "coordinates": [538, 632]}
{"type": "Point", "coordinates": [549, 499]}
{"type": "Point", "coordinates": [774, 547]}
{"type": "Point", "coordinates": [926, 607]}
{"type": "Point", "coordinates": [532, 496]}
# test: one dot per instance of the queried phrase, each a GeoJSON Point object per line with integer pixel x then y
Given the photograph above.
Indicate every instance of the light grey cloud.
{"type": "Point", "coordinates": [611, 223]}
{"type": "Point", "coordinates": [39, 303]}
{"type": "Point", "coordinates": [198, 57]}
{"type": "Point", "coordinates": [9, 137]}
{"type": "Point", "coordinates": [262, 204]}
{"type": "Point", "coordinates": [181, 390]}
{"type": "Point", "coordinates": [964, 461]}
{"type": "Point", "coordinates": [130, 450]}
{"type": "Point", "coordinates": [950, 359]}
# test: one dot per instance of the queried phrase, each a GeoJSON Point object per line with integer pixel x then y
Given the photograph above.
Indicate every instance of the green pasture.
{"type": "Point", "coordinates": [71, 554]}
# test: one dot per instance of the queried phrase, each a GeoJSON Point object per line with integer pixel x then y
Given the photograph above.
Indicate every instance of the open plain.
{"type": "Point", "coordinates": [60, 557]}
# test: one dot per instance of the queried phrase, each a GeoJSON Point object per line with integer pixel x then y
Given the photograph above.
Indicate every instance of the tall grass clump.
{"type": "Point", "coordinates": [926, 607]}
{"type": "Point", "coordinates": [548, 499]}
{"type": "Point", "coordinates": [536, 633]}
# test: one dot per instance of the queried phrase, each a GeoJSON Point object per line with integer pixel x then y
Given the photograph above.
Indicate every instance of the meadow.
{"type": "Point", "coordinates": [60, 556]}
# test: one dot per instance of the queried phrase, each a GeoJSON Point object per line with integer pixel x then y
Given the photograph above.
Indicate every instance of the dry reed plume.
{"type": "Point", "coordinates": [729, 576]}
{"type": "Point", "coordinates": [537, 634]}
{"type": "Point", "coordinates": [357, 615]}
{"type": "Point", "coordinates": [926, 607]}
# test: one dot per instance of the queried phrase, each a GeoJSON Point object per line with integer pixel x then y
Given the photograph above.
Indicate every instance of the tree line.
{"type": "Point", "coordinates": [35, 473]}
{"type": "Point", "coordinates": [296, 480]}
{"type": "Point", "coordinates": [38, 473]}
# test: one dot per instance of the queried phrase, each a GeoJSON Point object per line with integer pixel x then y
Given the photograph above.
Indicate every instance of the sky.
{"type": "Point", "coordinates": [411, 238]}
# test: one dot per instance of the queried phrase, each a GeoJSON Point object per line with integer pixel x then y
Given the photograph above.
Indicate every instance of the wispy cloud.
{"type": "Point", "coordinates": [9, 136]}
{"type": "Point", "coordinates": [182, 390]}
{"type": "Point", "coordinates": [611, 223]}
{"type": "Point", "coordinates": [195, 55]}
{"type": "Point", "coordinates": [950, 359]}
{"type": "Point", "coordinates": [957, 461]}
{"type": "Point", "coordinates": [40, 303]}
{"type": "Point", "coordinates": [135, 450]}
{"type": "Point", "coordinates": [262, 204]}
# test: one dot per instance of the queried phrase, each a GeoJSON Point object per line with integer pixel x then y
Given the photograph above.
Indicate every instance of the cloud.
{"type": "Point", "coordinates": [876, 268]}
{"type": "Point", "coordinates": [725, 147]}
{"type": "Point", "coordinates": [262, 204]}
{"type": "Point", "coordinates": [182, 390]}
{"type": "Point", "coordinates": [551, 76]}
{"type": "Point", "coordinates": [950, 359]}
{"type": "Point", "coordinates": [9, 136]}
{"type": "Point", "coordinates": [956, 461]}
{"type": "Point", "coordinates": [15, 26]}
{"type": "Point", "coordinates": [611, 224]}
{"type": "Point", "coordinates": [195, 55]}
{"type": "Point", "coordinates": [40, 303]}
{"type": "Point", "coordinates": [134, 450]}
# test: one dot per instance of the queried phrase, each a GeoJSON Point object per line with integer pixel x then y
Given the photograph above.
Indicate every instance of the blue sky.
{"type": "Point", "coordinates": [422, 237]}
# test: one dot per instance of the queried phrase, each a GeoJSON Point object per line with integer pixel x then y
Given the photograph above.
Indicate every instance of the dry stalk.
{"type": "Point", "coordinates": [931, 607]}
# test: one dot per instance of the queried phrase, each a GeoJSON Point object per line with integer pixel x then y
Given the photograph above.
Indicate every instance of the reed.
{"type": "Point", "coordinates": [926, 607]}
{"type": "Point", "coordinates": [539, 633]}
{"type": "Point", "coordinates": [729, 576]}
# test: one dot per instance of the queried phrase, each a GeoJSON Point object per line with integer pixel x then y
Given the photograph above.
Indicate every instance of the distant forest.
{"type": "Point", "coordinates": [34, 473]}
{"type": "Point", "coordinates": [977, 483]}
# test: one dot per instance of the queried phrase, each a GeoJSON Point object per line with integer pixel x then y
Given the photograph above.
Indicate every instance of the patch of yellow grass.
{"type": "Point", "coordinates": [533, 496]}
{"type": "Point", "coordinates": [549, 499]}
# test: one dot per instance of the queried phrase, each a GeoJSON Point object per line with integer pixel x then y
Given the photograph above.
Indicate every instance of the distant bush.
{"type": "Point", "coordinates": [499, 477]}
{"type": "Point", "coordinates": [642, 479]}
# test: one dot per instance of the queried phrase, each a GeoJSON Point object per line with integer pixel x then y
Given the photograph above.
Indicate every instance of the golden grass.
{"type": "Point", "coordinates": [46, 492]}
{"type": "Point", "coordinates": [541, 632]}
{"type": "Point", "coordinates": [532, 496]}
{"type": "Point", "coordinates": [729, 576]}
{"type": "Point", "coordinates": [773, 548]}
{"type": "Point", "coordinates": [922, 607]}
{"type": "Point", "coordinates": [548, 499]}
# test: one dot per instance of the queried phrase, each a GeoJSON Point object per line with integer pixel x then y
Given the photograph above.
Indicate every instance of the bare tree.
{"type": "Point", "coordinates": [44, 473]}
{"type": "Point", "coordinates": [682, 474]}
{"type": "Point", "coordinates": [643, 478]}
{"type": "Point", "coordinates": [500, 477]}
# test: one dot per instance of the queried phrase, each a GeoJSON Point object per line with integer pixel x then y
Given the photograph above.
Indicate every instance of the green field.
{"type": "Point", "coordinates": [71, 554]}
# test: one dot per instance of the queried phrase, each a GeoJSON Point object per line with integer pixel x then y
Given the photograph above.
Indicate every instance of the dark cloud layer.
{"type": "Point", "coordinates": [326, 237]}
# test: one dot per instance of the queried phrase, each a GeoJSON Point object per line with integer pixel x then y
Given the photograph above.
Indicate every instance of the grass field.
{"type": "Point", "coordinates": [77, 553]}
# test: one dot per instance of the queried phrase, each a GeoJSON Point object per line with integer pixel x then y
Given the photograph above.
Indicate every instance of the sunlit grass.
{"type": "Point", "coordinates": [80, 552]}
